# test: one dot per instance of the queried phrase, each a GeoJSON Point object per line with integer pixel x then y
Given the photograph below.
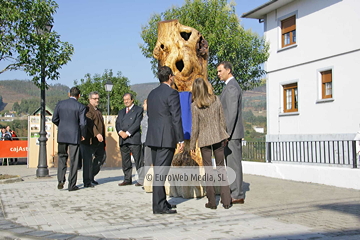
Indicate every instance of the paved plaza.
{"type": "Point", "coordinates": [273, 209]}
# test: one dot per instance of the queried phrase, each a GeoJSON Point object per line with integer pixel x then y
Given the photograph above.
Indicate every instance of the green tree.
{"type": "Point", "coordinates": [97, 82]}
{"type": "Point", "coordinates": [228, 41]}
{"type": "Point", "coordinates": [20, 127]}
{"type": "Point", "coordinates": [16, 108]}
{"type": "Point", "coordinates": [22, 48]}
{"type": "Point", "coordinates": [248, 116]}
{"type": "Point", "coordinates": [28, 106]}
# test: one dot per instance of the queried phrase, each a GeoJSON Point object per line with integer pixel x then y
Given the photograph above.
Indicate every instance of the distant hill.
{"type": "Point", "coordinates": [13, 91]}
{"type": "Point", "coordinates": [143, 89]}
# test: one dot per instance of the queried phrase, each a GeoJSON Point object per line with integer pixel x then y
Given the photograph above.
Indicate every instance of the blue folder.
{"type": "Point", "coordinates": [185, 102]}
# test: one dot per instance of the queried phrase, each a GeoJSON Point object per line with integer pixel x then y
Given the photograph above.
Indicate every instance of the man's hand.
{"type": "Point", "coordinates": [123, 134]}
{"type": "Point", "coordinates": [181, 146]}
{"type": "Point", "coordinates": [100, 137]}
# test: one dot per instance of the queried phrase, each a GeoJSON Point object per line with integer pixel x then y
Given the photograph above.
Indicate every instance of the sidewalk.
{"type": "Point", "coordinates": [273, 209]}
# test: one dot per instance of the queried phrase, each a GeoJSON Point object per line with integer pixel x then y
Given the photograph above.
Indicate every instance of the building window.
{"type": "Point", "coordinates": [326, 84]}
{"type": "Point", "coordinates": [290, 97]}
{"type": "Point", "coordinates": [288, 31]}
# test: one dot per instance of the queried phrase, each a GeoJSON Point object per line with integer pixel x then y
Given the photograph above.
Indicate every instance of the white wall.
{"type": "Point", "coordinates": [333, 176]}
{"type": "Point", "coordinates": [327, 38]}
{"type": "Point", "coordinates": [342, 115]}
{"type": "Point", "coordinates": [323, 28]}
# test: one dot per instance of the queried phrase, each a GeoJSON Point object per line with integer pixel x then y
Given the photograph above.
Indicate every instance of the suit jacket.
{"type": "Point", "coordinates": [95, 125]}
{"type": "Point", "coordinates": [231, 100]}
{"type": "Point", "coordinates": [207, 130]}
{"type": "Point", "coordinates": [69, 116]}
{"type": "Point", "coordinates": [164, 127]}
{"type": "Point", "coordinates": [130, 122]}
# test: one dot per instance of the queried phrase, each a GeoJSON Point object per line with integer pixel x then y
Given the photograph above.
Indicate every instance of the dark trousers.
{"type": "Point", "coordinates": [161, 158]}
{"type": "Point", "coordinates": [93, 158]}
{"type": "Point", "coordinates": [74, 162]}
{"type": "Point", "coordinates": [125, 150]}
{"type": "Point", "coordinates": [99, 159]}
{"type": "Point", "coordinates": [233, 156]}
{"type": "Point", "coordinates": [206, 153]}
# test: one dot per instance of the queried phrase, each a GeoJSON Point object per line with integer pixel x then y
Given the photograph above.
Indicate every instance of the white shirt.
{"type": "Point", "coordinates": [227, 81]}
{"type": "Point", "coordinates": [127, 110]}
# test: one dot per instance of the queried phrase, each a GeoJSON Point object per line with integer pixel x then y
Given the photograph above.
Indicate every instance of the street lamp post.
{"type": "Point", "coordinates": [108, 87]}
{"type": "Point", "coordinates": [42, 169]}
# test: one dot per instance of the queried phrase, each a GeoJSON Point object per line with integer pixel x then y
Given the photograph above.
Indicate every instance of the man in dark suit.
{"type": "Point", "coordinates": [165, 131]}
{"type": "Point", "coordinates": [69, 116]}
{"type": "Point", "coordinates": [231, 99]}
{"type": "Point", "coordinates": [93, 146]}
{"type": "Point", "coordinates": [128, 128]}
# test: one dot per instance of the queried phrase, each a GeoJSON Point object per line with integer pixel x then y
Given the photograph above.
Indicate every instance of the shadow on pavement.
{"type": "Point", "coordinates": [348, 208]}
{"type": "Point", "coordinates": [343, 234]}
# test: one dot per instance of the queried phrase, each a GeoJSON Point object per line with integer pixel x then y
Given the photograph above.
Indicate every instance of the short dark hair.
{"type": "Point", "coordinates": [227, 65]}
{"type": "Point", "coordinates": [74, 92]}
{"type": "Point", "coordinates": [131, 95]}
{"type": "Point", "coordinates": [163, 73]}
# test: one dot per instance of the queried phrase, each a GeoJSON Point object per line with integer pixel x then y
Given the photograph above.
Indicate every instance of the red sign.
{"type": "Point", "coordinates": [13, 149]}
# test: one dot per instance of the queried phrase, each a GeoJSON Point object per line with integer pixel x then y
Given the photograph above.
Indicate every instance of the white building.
{"type": "Point", "coordinates": [313, 86]}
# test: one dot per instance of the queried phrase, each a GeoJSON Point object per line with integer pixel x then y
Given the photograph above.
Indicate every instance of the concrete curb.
{"type": "Point", "coordinates": [11, 180]}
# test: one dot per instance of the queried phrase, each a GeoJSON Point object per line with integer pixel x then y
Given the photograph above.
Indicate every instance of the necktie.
{"type": "Point", "coordinates": [127, 110]}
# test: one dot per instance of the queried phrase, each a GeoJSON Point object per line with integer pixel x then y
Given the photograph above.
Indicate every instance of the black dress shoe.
{"type": "Point", "coordinates": [88, 185]}
{"type": "Point", "coordinates": [94, 182]}
{"type": "Point", "coordinates": [170, 205]}
{"type": "Point", "coordinates": [166, 211]}
{"type": "Point", "coordinates": [61, 185]}
{"type": "Point", "coordinates": [74, 188]}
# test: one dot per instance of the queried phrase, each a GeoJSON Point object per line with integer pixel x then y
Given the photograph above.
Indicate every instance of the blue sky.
{"type": "Point", "coordinates": [106, 35]}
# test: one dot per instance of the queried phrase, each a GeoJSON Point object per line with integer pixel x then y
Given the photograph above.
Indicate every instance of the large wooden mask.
{"type": "Point", "coordinates": [184, 50]}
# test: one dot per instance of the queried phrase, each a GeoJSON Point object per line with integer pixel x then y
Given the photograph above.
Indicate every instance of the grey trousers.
{"type": "Point", "coordinates": [233, 156]}
{"type": "Point", "coordinates": [146, 161]}
{"type": "Point", "coordinates": [74, 152]}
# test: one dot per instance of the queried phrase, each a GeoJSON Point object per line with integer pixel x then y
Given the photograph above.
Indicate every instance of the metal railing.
{"type": "Point", "coordinates": [339, 152]}
{"type": "Point", "coordinates": [16, 138]}
{"type": "Point", "coordinates": [254, 151]}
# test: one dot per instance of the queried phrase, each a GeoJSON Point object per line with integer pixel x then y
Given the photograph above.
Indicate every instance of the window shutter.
{"type": "Point", "coordinates": [288, 25]}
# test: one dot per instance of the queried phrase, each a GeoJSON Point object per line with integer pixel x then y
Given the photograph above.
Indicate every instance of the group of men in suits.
{"type": "Point", "coordinates": [81, 132]}
{"type": "Point", "coordinates": [164, 134]}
